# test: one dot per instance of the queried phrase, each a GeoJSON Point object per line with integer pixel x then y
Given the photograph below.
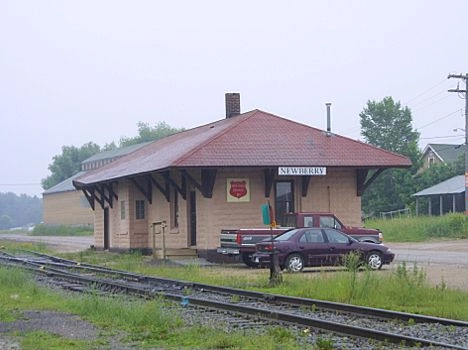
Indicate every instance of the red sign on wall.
{"type": "Point", "coordinates": [238, 190]}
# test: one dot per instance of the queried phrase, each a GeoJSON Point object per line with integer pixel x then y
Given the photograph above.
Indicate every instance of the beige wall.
{"type": "Point", "coordinates": [98, 226]}
{"type": "Point", "coordinates": [66, 208]}
{"type": "Point", "coordinates": [334, 192]}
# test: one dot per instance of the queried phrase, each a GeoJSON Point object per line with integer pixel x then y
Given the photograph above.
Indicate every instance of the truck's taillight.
{"type": "Point", "coordinates": [380, 236]}
{"type": "Point", "coordinates": [239, 239]}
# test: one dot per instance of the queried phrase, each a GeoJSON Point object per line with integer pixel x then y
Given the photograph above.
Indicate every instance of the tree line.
{"type": "Point", "coordinates": [19, 211]}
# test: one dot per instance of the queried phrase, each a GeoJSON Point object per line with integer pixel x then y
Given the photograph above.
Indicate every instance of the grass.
{"type": "Point", "coordinates": [422, 228]}
{"type": "Point", "coordinates": [144, 324]}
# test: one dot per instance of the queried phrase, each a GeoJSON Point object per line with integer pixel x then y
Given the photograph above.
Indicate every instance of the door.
{"type": "Point", "coordinates": [106, 229]}
{"type": "Point", "coordinates": [313, 247]}
{"type": "Point", "coordinates": [193, 218]}
{"type": "Point", "coordinates": [284, 200]}
{"type": "Point", "coordinates": [338, 246]}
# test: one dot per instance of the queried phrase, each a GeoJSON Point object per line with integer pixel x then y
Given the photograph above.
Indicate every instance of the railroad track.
{"type": "Point", "coordinates": [379, 325]}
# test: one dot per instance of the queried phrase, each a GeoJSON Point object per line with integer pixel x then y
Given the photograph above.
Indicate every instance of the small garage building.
{"type": "Point", "coordinates": [218, 175]}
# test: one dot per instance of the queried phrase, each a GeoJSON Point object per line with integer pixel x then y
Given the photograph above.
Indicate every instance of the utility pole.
{"type": "Point", "coordinates": [465, 78]}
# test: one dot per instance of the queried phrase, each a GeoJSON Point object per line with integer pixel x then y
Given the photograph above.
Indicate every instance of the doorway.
{"type": "Point", "coordinates": [192, 218]}
{"type": "Point", "coordinates": [284, 199]}
{"type": "Point", "coordinates": [106, 229]}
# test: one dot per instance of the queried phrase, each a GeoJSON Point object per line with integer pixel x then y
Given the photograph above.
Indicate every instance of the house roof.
{"type": "Point", "coordinates": [64, 186]}
{"type": "Point", "coordinates": [453, 185]}
{"type": "Point", "coordinates": [447, 153]}
{"type": "Point", "coordinates": [252, 139]}
{"type": "Point", "coordinates": [114, 153]}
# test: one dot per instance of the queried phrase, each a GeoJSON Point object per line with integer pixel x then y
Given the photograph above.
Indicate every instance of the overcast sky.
{"type": "Point", "coordinates": [72, 72]}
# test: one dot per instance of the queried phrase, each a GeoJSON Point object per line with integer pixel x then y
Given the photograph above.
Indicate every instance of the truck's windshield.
{"type": "Point", "coordinates": [289, 221]}
{"type": "Point", "coordinates": [329, 221]}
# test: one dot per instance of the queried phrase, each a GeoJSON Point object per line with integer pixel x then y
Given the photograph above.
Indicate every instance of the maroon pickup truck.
{"type": "Point", "coordinates": [241, 242]}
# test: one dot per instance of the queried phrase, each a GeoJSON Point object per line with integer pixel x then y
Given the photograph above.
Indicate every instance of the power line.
{"type": "Point", "coordinates": [442, 137]}
{"type": "Point", "coordinates": [439, 119]}
{"type": "Point", "coordinates": [23, 184]}
{"type": "Point", "coordinates": [426, 91]}
{"type": "Point", "coordinates": [423, 104]}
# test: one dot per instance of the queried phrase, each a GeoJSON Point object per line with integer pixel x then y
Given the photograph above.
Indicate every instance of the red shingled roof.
{"type": "Point", "coordinates": [252, 139]}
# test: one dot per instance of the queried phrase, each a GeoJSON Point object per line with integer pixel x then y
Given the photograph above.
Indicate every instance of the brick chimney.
{"type": "Point", "coordinates": [232, 104]}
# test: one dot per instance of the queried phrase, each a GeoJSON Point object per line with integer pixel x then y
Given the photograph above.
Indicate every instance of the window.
{"type": "Point", "coordinates": [122, 210]}
{"type": "Point", "coordinates": [308, 221]}
{"type": "Point", "coordinates": [336, 237]}
{"type": "Point", "coordinates": [139, 209]}
{"type": "Point", "coordinates": [327, 221]}
{"type": "Point", "coordinates": [330, 222]}
{"type": "Point", "coordinates": [312, 236]}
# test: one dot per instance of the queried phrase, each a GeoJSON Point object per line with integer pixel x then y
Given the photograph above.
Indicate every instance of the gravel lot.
{"type": "Point", "coordinates": [443, 261]}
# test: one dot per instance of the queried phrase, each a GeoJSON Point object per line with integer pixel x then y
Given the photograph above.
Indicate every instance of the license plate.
{"type": "Point", "coordinates": [232, 251]}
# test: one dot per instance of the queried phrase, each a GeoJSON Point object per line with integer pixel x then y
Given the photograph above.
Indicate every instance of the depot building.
{"type": "Point", "coordinates": [180, 191]}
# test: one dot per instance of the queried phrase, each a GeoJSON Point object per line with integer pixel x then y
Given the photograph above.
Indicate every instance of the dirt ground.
{"type": "Point", "coordinates": [444, 262]}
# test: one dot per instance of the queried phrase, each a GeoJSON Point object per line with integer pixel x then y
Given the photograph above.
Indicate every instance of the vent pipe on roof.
{"type": "Point", "coordinates": [328, 104]}
{"type": "Point", "coordinates": [232, 104]}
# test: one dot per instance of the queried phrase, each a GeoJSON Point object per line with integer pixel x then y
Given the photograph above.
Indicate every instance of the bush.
{"type": "Point", "coordinates": [62, 230]}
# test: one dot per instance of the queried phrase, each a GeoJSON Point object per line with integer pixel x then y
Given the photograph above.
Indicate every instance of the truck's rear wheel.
{"type": "Point", "coordinates": [247, 259]}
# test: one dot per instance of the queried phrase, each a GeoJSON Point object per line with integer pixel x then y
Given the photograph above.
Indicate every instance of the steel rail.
{"type": "Point", "coordinates": [272, 298]}
{"type": "Point", "coordinates": [322, 324]}
{"type": "Point", "coordinates": [259, 312]}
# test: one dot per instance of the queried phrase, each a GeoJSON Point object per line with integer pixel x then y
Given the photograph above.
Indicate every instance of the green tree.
{"type": "Point", "coordinates": [388, 125]}
{"type": "Point", "coordinates": [5, 222]}
{"type": "Point", "coordinates": [148, 133]}
{"type": "Point", "coordinates": [68, 163]}
{"type": "Point", "coordinates": [19, 210]}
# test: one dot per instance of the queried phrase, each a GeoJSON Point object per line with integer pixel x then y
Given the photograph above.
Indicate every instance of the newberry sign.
{"type": "Point", "coordinates": [301, 171]}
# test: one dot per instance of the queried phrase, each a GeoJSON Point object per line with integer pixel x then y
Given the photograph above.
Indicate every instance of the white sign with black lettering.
{"type": "Point", "coordinates": [301, 171]}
